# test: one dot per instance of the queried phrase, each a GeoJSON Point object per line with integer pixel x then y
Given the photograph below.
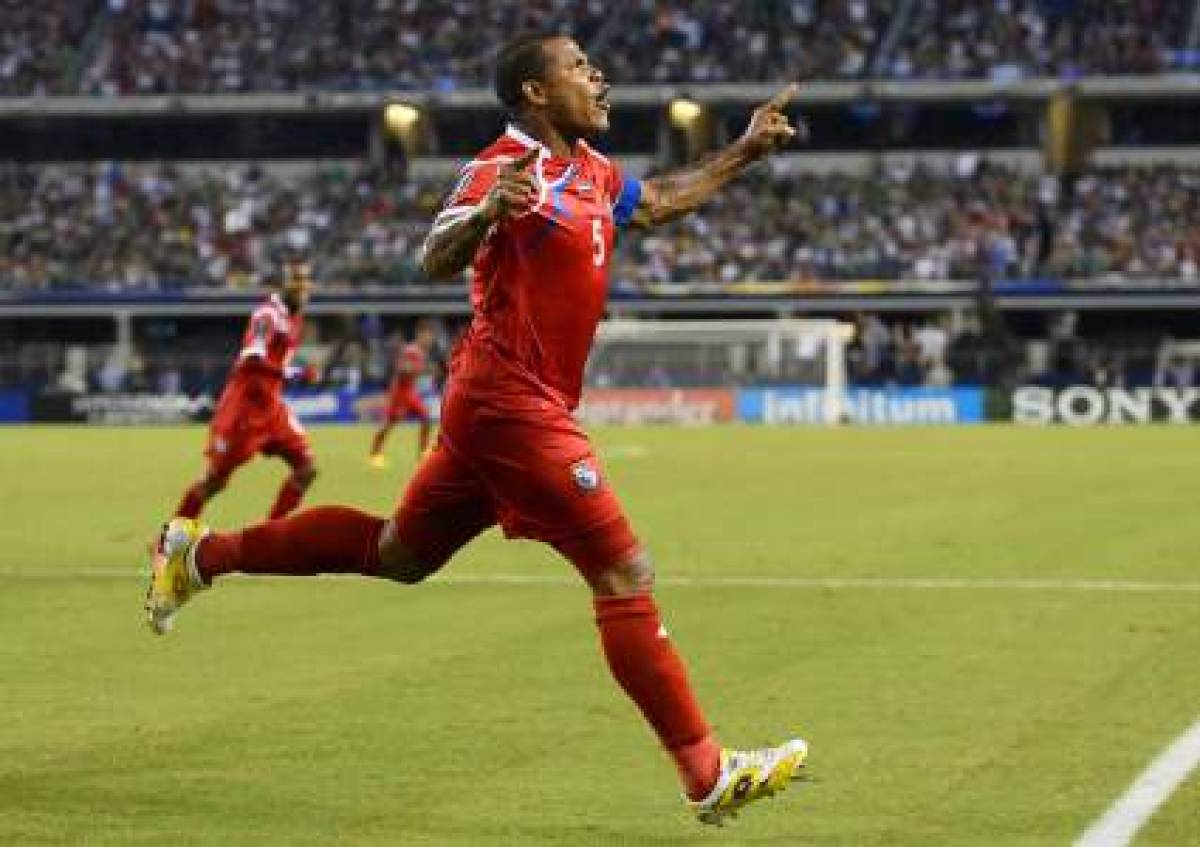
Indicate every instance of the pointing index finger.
{"type": "Point", "coordinates": [785, 96]}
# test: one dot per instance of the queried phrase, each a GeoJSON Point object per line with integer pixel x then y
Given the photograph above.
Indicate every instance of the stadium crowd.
{"type": "Point", "coordinates": [115, 47]}
{"type": "Point", "coordinates": [167, 226]}
{"type": "Point", "coordinates": [41, 45]}
{"type": "Point", "coordinates": [160, 226]}
{"type": "Point", "coordinates": [914, 223]}
{"type": "Point", "coordinates": [1013, 39]}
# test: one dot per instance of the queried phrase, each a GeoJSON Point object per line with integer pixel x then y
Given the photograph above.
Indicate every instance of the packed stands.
{"type": "Point", "coordinates": [119, 47]}
{"type": "Point", "coordinates": [166, 226]}
{"type": "Point", "coordinates": [1013, 39]}
{"type": "Point", "coordinates": [161, 226]}
{"type": "Point", "coordinates": [41, 45]}
{"type": "Point", "coordinates": [913, 222]}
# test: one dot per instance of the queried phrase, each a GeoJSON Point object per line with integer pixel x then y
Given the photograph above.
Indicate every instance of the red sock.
{"type": "Point", "coordinates": [192, 502]}
{"type": "Point", "coordinates": [327, 539]}
{"type": "Point", "coordinates": [288, 498]}
{"type": "Point", "coordinates": [644, 662]}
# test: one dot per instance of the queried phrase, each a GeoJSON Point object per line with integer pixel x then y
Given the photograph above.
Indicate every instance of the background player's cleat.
{"type": "Point", "coordinates": [749, 775]}
{"type": "Point", "coordinates": [174, 577]}
{"type": "Point", "coordinates": [378, 461]}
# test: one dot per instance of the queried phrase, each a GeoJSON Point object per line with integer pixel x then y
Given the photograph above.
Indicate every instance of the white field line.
{"type": "Point", "coordinates": [750, 581]}
{"type": "Point", "coordinates": [1118, 826]}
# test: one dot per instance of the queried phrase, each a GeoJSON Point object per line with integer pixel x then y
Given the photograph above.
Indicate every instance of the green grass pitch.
{"type": "Point", "coordinates": [469, 712]}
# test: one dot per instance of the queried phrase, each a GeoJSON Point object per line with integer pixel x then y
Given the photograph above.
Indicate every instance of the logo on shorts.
{"type": "Point", "coordinates": [587, 477]}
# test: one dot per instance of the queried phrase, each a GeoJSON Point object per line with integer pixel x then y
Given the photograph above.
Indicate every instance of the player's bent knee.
{"type": "Point", "coordinates": [399, 562]}
{"type": "Point", "coordinates": [632, 575]}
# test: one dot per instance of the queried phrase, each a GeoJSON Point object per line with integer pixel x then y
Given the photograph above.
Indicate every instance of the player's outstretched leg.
{"type": "Point", "coordinates": [717, 782]}
{"type": "Point", "coordinates": [326, 539]}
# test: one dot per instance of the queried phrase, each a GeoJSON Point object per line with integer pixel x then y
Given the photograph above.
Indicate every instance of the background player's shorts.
{"type": "Point", "coordinates": [532, 470]}
{"type": "Point", "coordinates": [404, 401]}
{"type": "Point", "coordinates": [239, 430]}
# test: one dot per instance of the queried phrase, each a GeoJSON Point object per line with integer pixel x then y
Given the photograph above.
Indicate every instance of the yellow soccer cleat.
{"type": "Point", "coordinates": [174, 578]}
{"type": "Point", "coordinates": [378, 461]}
{"type": "Point", "coordinates": [749, 775]}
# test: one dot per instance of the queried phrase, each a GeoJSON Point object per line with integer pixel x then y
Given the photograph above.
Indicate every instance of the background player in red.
{"type": "Point", "coordinates": [251, 416]}
{"type": "Point", "coordinates": [403, 398]}
{"type": "Point", "coordinates": [535, 214]}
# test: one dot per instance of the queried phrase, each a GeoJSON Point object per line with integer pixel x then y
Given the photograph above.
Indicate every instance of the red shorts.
{"type": "Point", "coordinates": [527, 466]}
{"type": "Point", "coordinates": [403, 401]}
{"type": "Point", "coordinates": [247, 422]}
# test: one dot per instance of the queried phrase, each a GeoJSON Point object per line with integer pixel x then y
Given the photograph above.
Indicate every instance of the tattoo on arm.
{"type": "Point", "coordinates": [673, 195]}
{"type": "Point", "coordinates": [450, 249]}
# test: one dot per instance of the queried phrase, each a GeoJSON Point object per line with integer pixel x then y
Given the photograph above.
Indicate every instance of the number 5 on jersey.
{"type": "Point", "coordinates": [598, 242]}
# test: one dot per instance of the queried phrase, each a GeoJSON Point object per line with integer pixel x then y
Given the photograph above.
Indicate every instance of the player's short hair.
{"type": "Point", "coordinates": [520, 60]}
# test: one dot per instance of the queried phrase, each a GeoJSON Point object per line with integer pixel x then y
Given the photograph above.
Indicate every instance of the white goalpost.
{"type": "Point", "coordinates": [725, 353]}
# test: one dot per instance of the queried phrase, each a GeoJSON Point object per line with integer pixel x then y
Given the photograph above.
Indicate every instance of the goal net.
{"type": "Point", "coordinates": [724, 353]}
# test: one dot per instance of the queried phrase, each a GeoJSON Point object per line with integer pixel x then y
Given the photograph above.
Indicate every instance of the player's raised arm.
{"type": "Point", "coordinates": [670, 196]}
{"type": "Point", "coordinates": [451, 244]}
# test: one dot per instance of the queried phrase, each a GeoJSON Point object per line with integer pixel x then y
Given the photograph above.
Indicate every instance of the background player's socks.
{"type": "Point", "coordinates": [192, 502]}
{"type": "Point", "coordinates": [288, 498]}
{"type": "Point", "coordinates": [327, 539]}
{"type": "Point", "coordinates": [644, 662]}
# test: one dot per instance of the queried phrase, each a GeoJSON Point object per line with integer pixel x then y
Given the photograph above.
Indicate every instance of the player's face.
{"type": "Point", "coordinates": [576, 93]}
{"type": "Point", "coordinates": [296, 292]}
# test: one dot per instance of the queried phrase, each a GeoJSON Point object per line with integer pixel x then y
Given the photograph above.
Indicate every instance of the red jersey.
{"type": "Point", "coordinates": [410, 364]}
{"type": "Point", "coordinates": [540, 279]}
{"type": "Point", "coordinates": [269, 343]}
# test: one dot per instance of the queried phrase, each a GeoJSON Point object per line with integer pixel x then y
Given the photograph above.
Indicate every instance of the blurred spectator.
{"type": "Point", "coordinates": [40, 45]}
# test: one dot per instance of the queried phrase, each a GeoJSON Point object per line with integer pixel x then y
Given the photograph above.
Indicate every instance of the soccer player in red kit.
{"type": "Point", "coordinates": [535, 214]}
{"type": "Point", "coordinates": [251, 416]}
{"type": "Point", "coordinates": [403, 398]}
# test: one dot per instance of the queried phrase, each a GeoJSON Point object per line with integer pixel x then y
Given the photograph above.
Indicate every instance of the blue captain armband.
{"type": "Point", "coordinates": [631, 194]}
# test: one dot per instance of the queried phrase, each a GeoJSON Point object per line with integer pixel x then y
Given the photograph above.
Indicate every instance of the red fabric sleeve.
{"type": "Point", "coordinates": [474, 182]}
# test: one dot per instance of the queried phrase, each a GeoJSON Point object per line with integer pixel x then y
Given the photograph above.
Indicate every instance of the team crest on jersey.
{"type": "Point", "coordinates": [586, 475]}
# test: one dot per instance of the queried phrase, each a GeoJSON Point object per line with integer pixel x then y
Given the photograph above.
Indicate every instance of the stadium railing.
{"type": "Point", "coordinates": [1037, 89]}
{"type": "Point", "coordinates": [751, 297]}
